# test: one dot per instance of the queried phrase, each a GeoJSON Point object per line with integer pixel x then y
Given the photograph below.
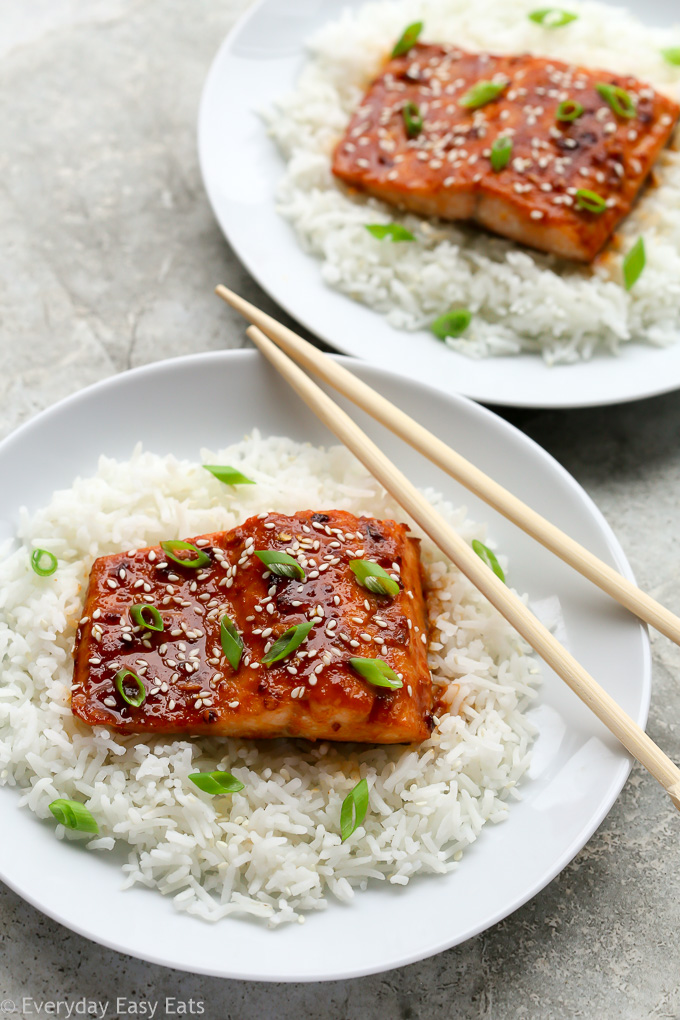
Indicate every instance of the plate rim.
{"type": "Point", "coordinates": [608, 798]}
{"type": "Point", "coordinates": [624, 392]}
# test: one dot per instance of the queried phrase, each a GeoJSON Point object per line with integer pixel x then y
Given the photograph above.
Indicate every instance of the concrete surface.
{"type": "Point", "coordinates": [108, 258]}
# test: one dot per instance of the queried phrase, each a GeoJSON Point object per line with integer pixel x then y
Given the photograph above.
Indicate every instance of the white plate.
{"type": "Point", "coordinates": [578, 768]}
{"type": "Point", "coordinates": [260, 60]}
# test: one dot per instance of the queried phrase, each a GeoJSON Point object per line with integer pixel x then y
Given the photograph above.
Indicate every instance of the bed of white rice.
{"type": "Point", "coordinates": [272, 851]}
{"type": "Point", "coordinates": [521, 300]}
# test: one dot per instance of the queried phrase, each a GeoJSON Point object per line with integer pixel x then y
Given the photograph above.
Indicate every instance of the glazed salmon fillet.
{"type": "Point", "coordinates": [443, 166]}
{"type": "Point", "coordinates": [189, 684]}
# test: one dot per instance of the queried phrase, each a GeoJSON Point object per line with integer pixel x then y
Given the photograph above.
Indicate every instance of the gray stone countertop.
{"type": "Point", "coordinates": [108, 260]}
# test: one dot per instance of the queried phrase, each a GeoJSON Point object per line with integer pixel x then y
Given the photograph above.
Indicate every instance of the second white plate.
{"type": "Point", "coordinates": [260, 60]}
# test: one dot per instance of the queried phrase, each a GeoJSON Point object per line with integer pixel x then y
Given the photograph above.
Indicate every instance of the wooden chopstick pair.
{"type": "Point", "coordinates": [265, 329]}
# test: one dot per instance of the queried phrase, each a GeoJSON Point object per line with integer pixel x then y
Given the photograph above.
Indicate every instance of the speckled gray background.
{"type": "Point", "coordinates": [108, 257]}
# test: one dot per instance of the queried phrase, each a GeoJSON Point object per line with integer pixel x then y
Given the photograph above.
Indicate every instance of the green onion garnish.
{"type": "Point", "coordinates": [621, 102]}
{"type": "Point", "coordinates": [281, 564]}
{"type": "Point", "coordinates": [43, 562]}
{"type": "Point", "coordinates": [394, 231]}
{"type": "Point", "coordinates": [552, 17]}
{"type": "Point", "coordinates": [354, 808]}
{"type": "Point", "coordinates": [373, 577]}
{"type": "Point", "coordinates": [199, 558]}
{"type": "Point", "coordinates": [488, 557]}
{"type": "Point", "coordinates": [569, 110]}
{"type": "Point", "coordinates": [413, 121]}
{"type": "Point", "coordinates": [634, 263]}
{"type": "Point", "coordinates": [73, 815]}
{"type": "Point", "coordinates": [501, 151]}
{"type": "Point", "coordinates": [119, 680]}
{"type": "Point", "coordinates": [482, 92]}
{"type": "Point", "coordinates": [407, 39]}
{"type": "Point", "coordinates": [146, 616]}
{"type": "Point", "coordinates": [672, 55]}
{"type": "Point", "coordinates": [216, 783]}
{"type": "Point", "coordinates": [288, 642]}
{"type": "Point", "coordinates": [451, 323]}
{"type": "Point", "coordinates": [590, 200]}
{"type": "Point", "coordinates": [376, 672]}
{"type": "Point", "coordinates": [232, 642]}
{"type": "Point", "coordinates": [228, 475]}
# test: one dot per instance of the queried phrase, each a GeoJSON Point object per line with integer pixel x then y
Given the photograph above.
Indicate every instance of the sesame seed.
{"type": "Point", "coordinates": [152, 556]}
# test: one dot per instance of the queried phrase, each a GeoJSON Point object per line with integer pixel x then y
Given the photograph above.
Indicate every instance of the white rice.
{"type": "Point", "coordinates": [521, 300]}
{"type": "Point", "coordinates": [273, 850]}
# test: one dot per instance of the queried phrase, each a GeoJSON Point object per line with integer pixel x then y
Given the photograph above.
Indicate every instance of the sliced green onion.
{"type": "Point", "coordinates": [481, 93]}
{"type": "Point", "coordinates": [139, 616]}
{"type": "Point", "coordinates": [353, 810]}
{"type": "Point", "coordinates": [216, 783]}
{"type": "Point", "coordinates": [501, 151]}
{"type": "Point", "coordinates": [672, 55]}
{"type": "Point", "coordinates": [552, 17]}
{"type": "Point", "coordinates": [43, 562]}
{"type": "Point", "coordinates": [590, 200]}
{"type": "Point", "coordinates": [232, 642]}
{"type": "Point", "coordinates": [281, 564]}
{"type": "Point", "coordinates": [634, 262]}
{"type": "Point", "coordinates": [376, 672]}
{"type": "Point", "coordinates": [373, 577]}
{"type": "Point", "coordinates": [569, 110]}
{"type": "Point", "coordinates": [413, 121]}
{"type": "Point", "coordinates": [228, 475]}
{"type": "Point", "coordinates": [199, 559]}
{"type": "Point", "coordinates": [621, 102]}
{"type": "Point", "coordinates": [288, 642]}
{"type": "Point", "coordinates": [73, 815]}
{"type": "Point", "coordinates": [407, 39]}
{"type": "Point", "coordinates": [488, 557]}
{"type": "Point", "coordinates": [394, 231]}
{"type": "Point", "coordinates": [452, 323]}
{"type": "Point", "coordinates": [119, 680]}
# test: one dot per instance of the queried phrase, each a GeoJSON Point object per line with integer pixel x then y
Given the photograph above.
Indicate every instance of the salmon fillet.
{"type": "Point", "coordinates": [188, 682]}
{"type": "Point", "coordinates": [445, 169]}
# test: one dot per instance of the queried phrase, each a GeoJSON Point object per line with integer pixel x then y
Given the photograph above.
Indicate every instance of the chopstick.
{"type": "Point", "coordinates": [632, 736]}
{"type": "Point", "coordinates": [499, 498]}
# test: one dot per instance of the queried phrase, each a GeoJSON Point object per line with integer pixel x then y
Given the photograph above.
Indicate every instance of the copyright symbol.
{"type": "Point", "coordinates": [7, 1006]}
